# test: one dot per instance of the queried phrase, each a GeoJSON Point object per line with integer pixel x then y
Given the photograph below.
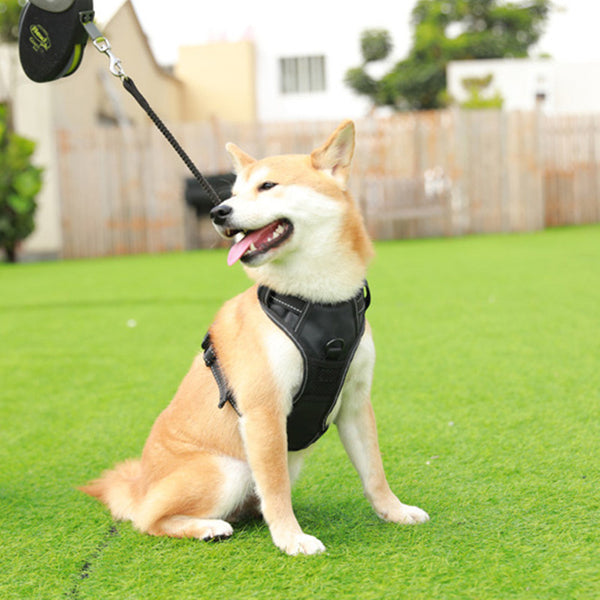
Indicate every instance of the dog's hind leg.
{"type": "Point", "coordinates": [196, 498]}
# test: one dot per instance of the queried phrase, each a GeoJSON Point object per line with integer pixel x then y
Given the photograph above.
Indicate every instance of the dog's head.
{"type": "Point", "coordinates": [293, 208]}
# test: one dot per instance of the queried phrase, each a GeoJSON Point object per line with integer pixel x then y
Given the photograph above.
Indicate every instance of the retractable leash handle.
{"type": "Point", "coordinates": [52, 38]}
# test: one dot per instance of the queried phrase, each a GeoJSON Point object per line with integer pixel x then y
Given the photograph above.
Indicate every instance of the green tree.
{"type": "Point", "coordinates": [10, 11]}
{"type": "Point", "coordinates": [446, 30]}
{"type": "Point", "coordinates": [20, 182]}
{"type": "Point", "coordinates": [375, 45]}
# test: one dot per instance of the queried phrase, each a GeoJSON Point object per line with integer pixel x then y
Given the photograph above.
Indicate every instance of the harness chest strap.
{"type": "Point", "coordinates": [327, 336]}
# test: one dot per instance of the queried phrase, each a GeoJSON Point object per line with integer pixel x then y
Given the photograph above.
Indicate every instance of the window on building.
{"type": "Point", "coordinates": [302, 74]}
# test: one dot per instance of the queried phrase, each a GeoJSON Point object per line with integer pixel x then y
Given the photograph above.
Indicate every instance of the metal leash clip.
{"type": "Point", "coordinates": [103, 45]}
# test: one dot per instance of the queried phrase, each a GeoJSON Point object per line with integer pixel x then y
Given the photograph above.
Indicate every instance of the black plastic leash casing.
{"type": "Point", "coordinates": [51, 40]}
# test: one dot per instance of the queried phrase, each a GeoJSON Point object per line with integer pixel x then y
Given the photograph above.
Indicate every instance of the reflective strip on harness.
{"type": "Point", "coordinates": [327, 336]}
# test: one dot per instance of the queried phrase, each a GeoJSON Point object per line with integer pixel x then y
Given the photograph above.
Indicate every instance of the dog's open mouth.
{"type": "Point", "coordinates": [258, 241]}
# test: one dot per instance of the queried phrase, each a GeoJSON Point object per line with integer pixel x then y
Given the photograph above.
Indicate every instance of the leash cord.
{"type": "Point", "coordinates": [103, 45]}
{"type": "Point", "coordinates": [130, 86]}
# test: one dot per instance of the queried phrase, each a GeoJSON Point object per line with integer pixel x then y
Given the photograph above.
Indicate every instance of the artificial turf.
{"type": "Point", "coordinates": [487, 392]}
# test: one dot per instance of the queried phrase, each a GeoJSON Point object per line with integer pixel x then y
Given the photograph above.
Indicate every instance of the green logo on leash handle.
{"type": "Point", "coordinates": [40, 40]}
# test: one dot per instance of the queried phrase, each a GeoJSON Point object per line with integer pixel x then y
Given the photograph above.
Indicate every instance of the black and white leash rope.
{"type": "Point", "coordinates": [102, 44]}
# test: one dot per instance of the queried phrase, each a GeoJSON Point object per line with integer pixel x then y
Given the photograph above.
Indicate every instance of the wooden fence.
{"type": "Point", "coordinates": [416, 174]}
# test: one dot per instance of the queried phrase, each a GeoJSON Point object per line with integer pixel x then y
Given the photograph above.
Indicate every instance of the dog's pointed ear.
{"type": "Point", "coordinates": [335, 156]}
{"type": "Point", "coordinates": [238, 157]}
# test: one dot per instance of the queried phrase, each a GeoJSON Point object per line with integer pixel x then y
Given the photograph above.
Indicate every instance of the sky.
{"type": "Point", "coordinates": [571, 34]}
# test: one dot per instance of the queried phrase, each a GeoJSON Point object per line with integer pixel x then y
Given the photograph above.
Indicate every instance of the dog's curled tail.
{"type": "Point", "coordinates": [118, 489]}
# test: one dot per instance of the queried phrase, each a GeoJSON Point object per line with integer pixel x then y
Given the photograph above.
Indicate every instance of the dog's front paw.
{"type": "Point", "coordinates": [299, 543]}
{"type": "Point", "coordinates": [409, 515]}
{"type": "Point", "coordinates": [396, 512]}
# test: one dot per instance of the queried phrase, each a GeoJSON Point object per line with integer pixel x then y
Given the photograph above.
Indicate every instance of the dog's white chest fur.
{"type": "Point", "coordinates": [287, 367]}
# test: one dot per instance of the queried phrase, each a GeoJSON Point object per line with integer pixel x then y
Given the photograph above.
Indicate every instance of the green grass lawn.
{"type": "Point", "coordinates": [487, 392]}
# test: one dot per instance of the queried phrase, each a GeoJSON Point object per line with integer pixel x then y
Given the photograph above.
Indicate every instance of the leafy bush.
{"type": "Point", "coordinates": [20, 183]}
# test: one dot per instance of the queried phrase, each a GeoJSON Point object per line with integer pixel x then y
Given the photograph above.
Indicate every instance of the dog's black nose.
{"type": "Point", "coordinates": [220, 213]}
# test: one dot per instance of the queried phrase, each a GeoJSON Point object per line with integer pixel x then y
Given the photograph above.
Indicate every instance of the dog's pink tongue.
{"type": "Point", "coordinates": [238, 250]}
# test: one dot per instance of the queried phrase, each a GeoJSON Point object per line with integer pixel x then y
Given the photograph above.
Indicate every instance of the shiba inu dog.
{"type": "Point", "coordinates": [231, 442]}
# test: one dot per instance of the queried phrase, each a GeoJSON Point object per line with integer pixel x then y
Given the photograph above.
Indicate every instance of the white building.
{"type": "Point", "coordinates": [300, 62]}
{"type": "Point", "coordinates": [301, 77]}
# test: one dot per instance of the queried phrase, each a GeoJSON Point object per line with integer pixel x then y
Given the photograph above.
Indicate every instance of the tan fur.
{"type": "Point", "coordinates": [203, 466]}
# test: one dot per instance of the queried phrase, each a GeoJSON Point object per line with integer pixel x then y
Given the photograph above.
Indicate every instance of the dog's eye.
{"type": "Point", "coordinates": [267, 185]}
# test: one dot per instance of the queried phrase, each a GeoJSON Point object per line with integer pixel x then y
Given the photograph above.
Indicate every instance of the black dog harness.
{"type": "Point", "coordinates": [327, 336]}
